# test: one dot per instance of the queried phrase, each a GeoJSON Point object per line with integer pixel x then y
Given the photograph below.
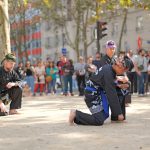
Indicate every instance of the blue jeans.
{"type": "Point", "coordinates": [30, 82]}
{"type": "Point", "coordinates": [68, 80]}
{"type": "Point", "coordinates": [62, 83]}
{"type": "Point", "coordinates": [141, 81]}
{"type": "Point", "coordinates": [51, 86]}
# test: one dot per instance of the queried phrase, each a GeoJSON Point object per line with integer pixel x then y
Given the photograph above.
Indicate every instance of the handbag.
{"type": "Point", "coordinates": [141, 67]}
{"type": "Point", "coordinates": [48, 79]}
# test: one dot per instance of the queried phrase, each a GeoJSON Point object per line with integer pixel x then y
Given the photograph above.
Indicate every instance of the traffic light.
{"type": "Point", "coordinates": [102, 29]}
{"type": "Point", "coordinates": [101, 32]}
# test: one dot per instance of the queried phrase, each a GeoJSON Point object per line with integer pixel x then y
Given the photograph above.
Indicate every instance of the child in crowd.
{"type": "Point", "coordinates": [26, 91]}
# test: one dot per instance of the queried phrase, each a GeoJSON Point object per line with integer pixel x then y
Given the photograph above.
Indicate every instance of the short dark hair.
{"type": "Point", "coordinates": [128, 63]}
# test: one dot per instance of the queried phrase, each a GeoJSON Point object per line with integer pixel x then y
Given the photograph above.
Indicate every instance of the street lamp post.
{"type": "Point", "coordinates": [98, 43]}
{"type": "Point", "coordinates": [97, 27]}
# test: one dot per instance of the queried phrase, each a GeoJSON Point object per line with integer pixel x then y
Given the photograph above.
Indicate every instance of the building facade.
{"type": "Point", "coordinates": [135, 35]}
{"type": "Point", "coordinates": [26, 33]}
{"type": "Point", "coordinates": [45, 40]}
{"type": "Point", "coordinates": [136, 31]}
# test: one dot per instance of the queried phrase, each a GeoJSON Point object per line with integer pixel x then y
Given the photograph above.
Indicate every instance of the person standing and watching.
{"type": "Point", "coordinates": [142, 67]}
{"type": "Point", "coordinates": [80, 75]}
{"type": "Point", "coordinates": [20, 70]}
{"type": "Point", "coordinates": [89, 68]}
{"type": "Point", "coordinates": [68, 73]}
{"type": "Point", "coordinates": [110, 52]}
{"type": "Point", "coordinates": [60, 65]}
{"type": "Point", "coordinates": [29, 76]}
{"type": "Point", "coordinates": [148, 84]}
{"type": "Point", "coordinates": [39, 78]}
{"type": "Point", "coordinates": [51, 71]}
{"type": "Point", "coordinates": [132, 75]}
{"type": "Point", "coordinates": [10, 85]}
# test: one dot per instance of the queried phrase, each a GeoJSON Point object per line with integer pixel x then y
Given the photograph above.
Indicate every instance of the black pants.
{"type": "Point", "coordinates": [93, 102]}
{"type": "Point", "coordinates": [89, 119]}
{"type": "Point", "coordinates": [81, 84]}
{"type": "Point", "coordinates": [123, 108]}
{"type": "Point", "coordinates": [133, 79]}
{"type": "Point", "coordinates": [15, 94]}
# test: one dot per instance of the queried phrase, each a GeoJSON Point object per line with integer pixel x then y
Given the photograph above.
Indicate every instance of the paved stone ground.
{"type": "Point", "coordinates": [43, 125]}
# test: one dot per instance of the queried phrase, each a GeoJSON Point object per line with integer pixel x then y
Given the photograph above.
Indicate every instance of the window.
{"type": "Point", "coordinates": [38, 43]}
{"type": "Point", "coordinates": [28, 45]}
{"type": "Point", "coordinates": [139, 23]}
{"type": "Point", "coordinates": [81, 52]}
{"type": "Point", "coordinates": [115, 28]}
{"type": "Point", "coordinates": [47, 25]}
{"type": "Point", "coordinates": [13, 48]}
{"type": "Point", "coordinates": [22, 47]}
{"type": "Point", "coordinates": [35, 28]}
{"type": "Point", "coordinates": [33, 44]}
{"type": "Point", "coordinates": [126, 46]}
{"type": "Point", "coordinates": [56, 40]}
{"type": "Point", "coordinates": [48, 42]}
{"type": "Point", "coordinates": [28, 29]}
{"type": "Point", "coordinates": [64, 41]}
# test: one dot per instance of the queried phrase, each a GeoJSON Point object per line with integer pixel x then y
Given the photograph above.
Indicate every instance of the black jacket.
{"type": "Point", "coordinates": [104, 78]}
{"type": "Point", "coordinates": [6, 77]}
{"type": "Point", "coordinates": [106, 60]}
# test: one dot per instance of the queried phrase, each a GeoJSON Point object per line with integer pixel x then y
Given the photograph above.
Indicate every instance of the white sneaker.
{"type": "Point", "coordinates": [135, 94]}
{"type": "Point", "coordinates": [141, 95]}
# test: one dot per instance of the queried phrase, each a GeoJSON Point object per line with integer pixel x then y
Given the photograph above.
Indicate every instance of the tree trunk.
{"type": "Point", "coordinates": [85, 43]}
{"type": "Point", "coordinates": [77, 39]}
{"type": "Point", "coordinates": [4, 29]}
{"type": "Point", "coordinates": [122, 29]}
{"type": "Point", "coordinates": [84, 32]}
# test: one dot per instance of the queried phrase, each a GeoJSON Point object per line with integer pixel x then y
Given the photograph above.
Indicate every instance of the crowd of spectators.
{"type": "Point", "coordinates": [64, 76]}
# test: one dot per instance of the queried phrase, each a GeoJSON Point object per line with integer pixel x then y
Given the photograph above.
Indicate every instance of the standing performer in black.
{"type": "Point", "coordinates": [122, 82]}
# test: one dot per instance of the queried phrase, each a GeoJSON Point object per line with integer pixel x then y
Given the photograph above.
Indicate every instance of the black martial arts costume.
{"type": "Point", "coordinates": [122, 94]}
{"type": "Point", "coordinates": [102, 80]}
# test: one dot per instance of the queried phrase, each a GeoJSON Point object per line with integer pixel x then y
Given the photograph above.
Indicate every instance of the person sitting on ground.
{"type": "Point", "coordinates": [10, 84]}
{"type": "Point", "coordinates": [100, 88]}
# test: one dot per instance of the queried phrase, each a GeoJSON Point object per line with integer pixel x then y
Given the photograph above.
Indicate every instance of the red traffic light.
{"type": "Point", "coordinates": [102, 23]}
